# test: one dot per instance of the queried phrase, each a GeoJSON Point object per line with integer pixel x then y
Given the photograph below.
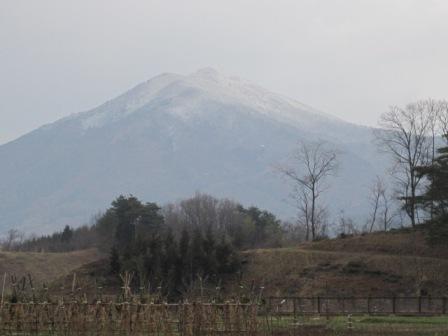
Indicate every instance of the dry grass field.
{"type": "Point", "coordinates": [44, 267]}
{"type": "Point", "coordinates": [399, 242]}
{"type": "Point", "coordinates": [395, 263]}
{"type": "Point", "coordinates": [376, 264]}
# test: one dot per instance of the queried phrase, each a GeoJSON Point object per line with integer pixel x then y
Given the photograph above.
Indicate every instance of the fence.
{"type": "Point", "coordinates": [130, 319]}
{"type": "Point", "coordinates": [266, 317]}
{"type": "Point", "coordinates": [423, 305]}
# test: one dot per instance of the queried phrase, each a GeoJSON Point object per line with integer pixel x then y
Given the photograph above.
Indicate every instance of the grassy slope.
{"type": "Point", "coordinates": [376, 264]}
{"type": "Point", "coordinates": [400, 242]}
{"type": "Point", "coordinates": [44, 267]}
{"type": "Point", "coordinates": [88, 276]}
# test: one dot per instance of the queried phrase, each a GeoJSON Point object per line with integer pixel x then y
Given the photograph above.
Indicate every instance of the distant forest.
{"type": "Point", "coordinates": [176, 245]}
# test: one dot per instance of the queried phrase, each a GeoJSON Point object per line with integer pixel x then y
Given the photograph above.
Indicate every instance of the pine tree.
{"type": "Point", "coordinates": [155, 257]}
{"type": "Point", "coordinates": [227, 259]}
{"type": "Point", "coordinates": [170, 255]}
{"type": "Point", "coordinates": [67, 234]}
{"type": "Point", "coordinates": [114, 261]}
{"type": "Point", "coordinates": [435, 198]}
{"type": "Point", "coordinates": [125, 210]}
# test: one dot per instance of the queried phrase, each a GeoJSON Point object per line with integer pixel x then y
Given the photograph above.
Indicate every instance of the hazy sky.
{"type": "Point", "coordinates": [351, 58]}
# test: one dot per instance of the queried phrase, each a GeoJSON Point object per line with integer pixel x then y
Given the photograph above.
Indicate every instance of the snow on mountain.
{"type": "Point", "coordinates": [167, 138]}
{"type": "Point", "coordinates": [206, 84]}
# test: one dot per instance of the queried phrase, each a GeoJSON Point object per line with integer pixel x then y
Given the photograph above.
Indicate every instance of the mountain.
{"type": "Point", "coordinates": [169, 137]}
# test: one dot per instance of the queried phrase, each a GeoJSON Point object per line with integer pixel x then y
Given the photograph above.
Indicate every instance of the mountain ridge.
{"type": "Point", "coordinates": [163, 140]}
{"type": "Point", "coordinates": [203, 79]}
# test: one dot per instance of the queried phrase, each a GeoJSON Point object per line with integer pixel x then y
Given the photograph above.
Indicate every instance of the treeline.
{"type": "Point", "coordinates": [243, 227]}
{"type": "Point", "coordinates": [68, 239]}
{"type": "Point", "coordinates": [171, 247]}
{"type": "Point", "coordinates": [173, 261]}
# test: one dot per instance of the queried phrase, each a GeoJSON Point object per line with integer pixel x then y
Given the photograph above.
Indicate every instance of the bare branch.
{"type": "Point", "coordinates": [313, 162]}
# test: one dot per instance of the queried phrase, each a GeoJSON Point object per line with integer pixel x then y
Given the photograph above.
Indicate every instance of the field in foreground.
{"type": "Point", "coordinates": [388, 264]}
{"type": "Point", "coordinates": [366, 325]}
{"type": "Point", "coordinates": [194, 319]}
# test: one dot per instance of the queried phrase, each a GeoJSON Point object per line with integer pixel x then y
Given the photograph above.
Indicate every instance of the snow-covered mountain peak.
{"type": "Point", "coordinates": [235, 90]}
{"type": "Point", "coordinates": [187, 96]}
{"type": "Point", "coordinates": [128, 102]}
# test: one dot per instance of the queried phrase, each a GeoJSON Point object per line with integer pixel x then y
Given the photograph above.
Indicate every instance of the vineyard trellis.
{"type": "Point", "coordinates": [198, 318]}
{"type": "Point", "coordinates": [130, 319]}
{"type": "Point", "coordinates": [25, 310]}
{"type": "Point", "coordinates": [367, 305]}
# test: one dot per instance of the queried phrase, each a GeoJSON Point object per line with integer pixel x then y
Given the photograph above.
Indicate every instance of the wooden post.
{"type": "Point", "coordinates": [349, 322]}
{"type": "Point", "coordinates": [394, 305]}
{"type": "Point", "coordinates": [318, 305]}
{"type": "Point", "coordinates": [444, 305]}
{"type": "Point", "coordinates": [419, 304]}
{"type": "Point", "coordinates": [3, 287]}
{"type": "Point", "coordinates": [368, 305]}
{"type": "Point", "coordinates": [295, 308]}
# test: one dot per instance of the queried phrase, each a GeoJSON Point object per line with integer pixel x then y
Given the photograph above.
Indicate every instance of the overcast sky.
{"type": "Point", "coordinates": [350, 58]}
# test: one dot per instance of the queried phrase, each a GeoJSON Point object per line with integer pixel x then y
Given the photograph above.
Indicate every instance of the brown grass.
{"type": "Point", "coordinates": [44, 267]}
{"type": "Point", "coordinates": [401, 242]}
{"type": "Point", "coordinates": [398, 263]}
{"type": "Point", "coordinates": [377, 264]}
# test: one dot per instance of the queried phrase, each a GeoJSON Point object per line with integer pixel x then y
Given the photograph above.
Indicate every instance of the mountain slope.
{"type": "Point", "coordinates": [167, 138]}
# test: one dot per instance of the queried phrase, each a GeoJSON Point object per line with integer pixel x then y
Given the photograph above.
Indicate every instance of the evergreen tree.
{"type": "Point", "coordinates": [126, 211]}
{"type": "Point", "coordinates": [171, 278]}
{"type": "Point", "coordinates": [260, 228]}
{"type": "Point", "coordinates": [227, 259]}
{"type": "Point", "coordinates": [67, 234]}
{"type": "Point", "coordinates": [114, 261]}
{"type": "Point", "coordinates": [155, 257]}
{"type": "Point", "coordinates": [149, 221]}
{"type": "Point", "coordinates": [170, 254]}
{"type": "Point", "coordinates": [435, 198]}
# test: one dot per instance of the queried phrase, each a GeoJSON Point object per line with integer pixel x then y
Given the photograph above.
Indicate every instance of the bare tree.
{"type": "Point", "coordinates": [381, 214]}
{"type": "Point", "coordinates": [442, 117]}
{"type": "Point", "coordinates": [387, 214]}
{"type": "Point", "coordinates": [293, 233]}
{"type": "Point", "coordinates": [405, 134]}
{"type": "Point", "coordinates": [376, 195]}
{"type": "Point", "coordinates": [313, 162]}
{"type": "Point", "coordinates": [346, 225]}
{"type": "Point", "coordinates": [302, 200]}
{"type": "Point", "coordinates": [200, 211]}
{"type": "Point", "coordinates": [13, 238]}
{"type": "Point", "coordinates": [437, 114]}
